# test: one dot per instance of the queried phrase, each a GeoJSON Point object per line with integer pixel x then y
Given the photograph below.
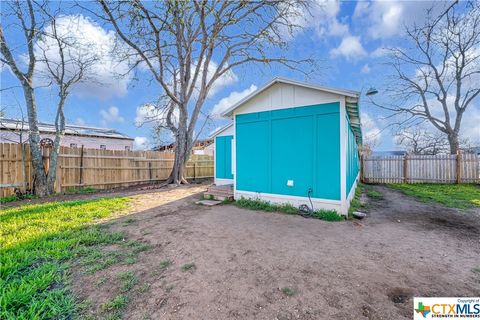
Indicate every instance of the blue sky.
{"type": "Point", "coordinates": [345, 37]}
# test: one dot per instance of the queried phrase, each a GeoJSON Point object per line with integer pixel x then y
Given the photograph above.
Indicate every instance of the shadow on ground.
{"type": "Point", "coordinates": [225, 262]}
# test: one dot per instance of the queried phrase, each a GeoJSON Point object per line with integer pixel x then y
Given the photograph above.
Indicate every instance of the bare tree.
{"type": "Point", "coordinates": [438, 77]}
{"type": "Point", "coordinates": [187, 46]}
{"type": "Point", "coordinates": [49, 58]}
{"type": "Point", "coordinates": [420, 141]}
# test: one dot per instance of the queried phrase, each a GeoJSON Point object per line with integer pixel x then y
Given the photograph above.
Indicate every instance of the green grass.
{"type": "Point", "coordinates": [164, 264]}
{"type": "Point", "coordinates": [355, 204]}
{"type": "Point", "coordinates": [288, 292]}
{"type": "Point", "coordinates": [8, 199]}
{"type": "Point", "coordinates": [374, 194]}
{"type": "Point", "coordinates": [37, 245]}
{"type": "Point", "coordinates": [188, 266]}
{"type": "Point", "coordinates": [84, 190]}
{"type": "Point", "coordinates": [461, 196]}
{"type": "Point", "coordinates": [328, 215]}
{"type": "Point", "coordinates": [117, 303]}
{"type": "Point", "coordinates": [265, 206]}
{"type": "Point", "coordinates": [16, 198]}
{"type": "Point", "coordinates": [127, 281]}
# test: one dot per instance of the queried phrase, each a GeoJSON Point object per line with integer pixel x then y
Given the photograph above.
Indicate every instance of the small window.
{"type": "Point", "coordinates": [73, 145]}
{"type": "Point", "coordinates": [127, 148]}
{"type": "Point", "coordinates": [103, 147]}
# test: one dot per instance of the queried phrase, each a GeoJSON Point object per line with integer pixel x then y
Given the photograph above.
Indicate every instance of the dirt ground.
{"type": "Point", "coordinates": [243, 259]}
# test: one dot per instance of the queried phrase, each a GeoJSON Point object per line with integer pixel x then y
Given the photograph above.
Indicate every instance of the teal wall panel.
{"type": "Point", "coordinates": [223, 157]}
{"type": "Point", "coordinates": [292, 155]}
{"type": "Point", "coordinates": [253, 156]}
{"type": "Point", "coordinates": [328, 156]}
{"type": "Point", "coordinates": [353, 161]}
{"type": "Point", "coordinates": [300, 144]}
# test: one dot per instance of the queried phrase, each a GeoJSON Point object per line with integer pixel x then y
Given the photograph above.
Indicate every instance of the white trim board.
{"type": "Point", "coordinates": [296, 201]}
{"type": "Point", "coordinates": [341, 92]}
{"type": "Point", "coordinates": [222, 182]}
{"type": "Point", "coordinates": [223, 131]}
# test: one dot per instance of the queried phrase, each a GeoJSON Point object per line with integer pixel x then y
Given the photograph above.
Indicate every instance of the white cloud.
{"type": "Point", "coordinates": [153, 115]}
{"type": "Point", "coordinates": [365, 69]}
{"type": "Point", "coordinates": [379, 52]}
{"type": "Point", "coordinates": [140, 143]}
{"type": "Point", "coordinates": [230, 100]}
{"type": "Point", "coordinates": [227, 79]}
{"type": "Point", "coordinates": [470, 126]}
{"type": "Point", "coordinates": [321, 16]}
{"type": "Point", "coordinates": [385, 19]}
{"type": "Point", "coordinates": [325, 21]}
{"type": "Point", "coordinates": [371, 132]}
{"type": "Point", "coordinates": [111, 115]}
{"type": "Point", "coordinates": [88, 40]}
{"type": "Point", "coordinates": [80, 122]}
{"type": "Point", "coordinates": [351, 48]}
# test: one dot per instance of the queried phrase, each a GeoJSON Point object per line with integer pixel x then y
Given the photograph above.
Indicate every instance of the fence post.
{"type": "Point", "coordinates": [361, 168]}
{"type": "Point", "coordinates": [405, 168]}
{"type": "Point", "coordinates": [81, 167]}
{"type": "Point", "coordinates": [150, 170]}
{"type": "Point", "coordinates": [195, 170]}
{"type": "Point", "coordinates": [459, 166]}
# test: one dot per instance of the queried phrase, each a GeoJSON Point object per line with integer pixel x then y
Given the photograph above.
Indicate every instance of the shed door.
{"type": "Point", "coordinates": [223, 157]}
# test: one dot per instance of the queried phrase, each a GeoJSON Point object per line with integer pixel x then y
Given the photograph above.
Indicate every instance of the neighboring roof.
{"type": "Point", "coordinates": [220, 130]}
{"type": "Point", "coordinates": [351, 101]}
{"type": "Point", "coordinates": [13, 124]}
{"type": "Point", "coordinates": [389, 153]}
{"type": "Point", "coordinates": [199, 144]}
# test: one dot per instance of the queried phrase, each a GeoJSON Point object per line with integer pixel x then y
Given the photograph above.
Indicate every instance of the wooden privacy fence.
{"type": "Point", "coordinates": [459, 168]}
{"type": "Point", "coordinates": [100, 169]}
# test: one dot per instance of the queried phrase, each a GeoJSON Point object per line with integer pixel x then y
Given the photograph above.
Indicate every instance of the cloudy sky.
{"type": "Point", "coordinates": [347, 39]}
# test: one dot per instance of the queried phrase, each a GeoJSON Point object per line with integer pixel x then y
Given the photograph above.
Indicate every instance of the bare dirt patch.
{"type": "Point", "coordinates": [242, 262]}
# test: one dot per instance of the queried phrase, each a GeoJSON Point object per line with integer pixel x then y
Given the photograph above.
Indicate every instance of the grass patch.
{"type": "Point", "coordinates": [127, 281]}
{"type": "Point", "coordinates": [145, 287]}
{"type": "Point", "coordinates": [288, 292]}
{"type": "Point", "coordinates": [8, 199]}
{"type": "Point", "coordinates": [17, 198]}
{"type": "Point", "coordinates": [37, 244]}
{"type": "Point", "coordinates": [328, 215]}
{"type": "Point", "coordinates": [164, 264]}
{"type": "Point", "coordinates": [117, 303]}
{"type": "Point", "coordinates": [84, 190]}
{"type": "Point", "coordinates": [129, 221]}
{"type": "Point", "coordinates": [373, 194]}
{"type": "Point", "coordinates": [188, 266]}
{"type": "Point", "coordinates": [461, 196]}
{"type": "Point", "coordinates": [266, 206]}
{"type": "Point", "coordinates": [355, 204]}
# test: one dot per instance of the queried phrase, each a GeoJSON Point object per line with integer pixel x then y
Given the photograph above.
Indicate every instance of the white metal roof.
{"type": "Point", "coordinates": [220, 130]}
{"type": "Point", "coordinates": [351, 101]}
{"type": "Point", "coordinates": [17, 125]}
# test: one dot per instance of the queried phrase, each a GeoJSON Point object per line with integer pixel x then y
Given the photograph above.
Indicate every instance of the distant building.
{"type": "Point", "coordinates": [201, 147]}
{"type": "Point", "coordinates": [389, 153]}
{"type": "Point", "coordinates": [12, 131]}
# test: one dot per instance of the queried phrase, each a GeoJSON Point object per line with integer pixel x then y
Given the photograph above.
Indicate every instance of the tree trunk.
{"type": "Point", "coordinates": [40, 180]}
{"type": "Point", "coordinates": [59, 132]}
{"type": "Point", "coordinates": [453, 141]}
{"type": "Point", "coordinates": [182, 152]}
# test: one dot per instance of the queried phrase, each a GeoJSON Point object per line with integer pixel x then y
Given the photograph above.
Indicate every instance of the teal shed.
{"type": "Point", "coordinates": [292, 142]}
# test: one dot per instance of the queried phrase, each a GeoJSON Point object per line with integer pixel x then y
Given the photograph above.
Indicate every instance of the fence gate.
{"type": "Point", "coordinates": [459, 168]}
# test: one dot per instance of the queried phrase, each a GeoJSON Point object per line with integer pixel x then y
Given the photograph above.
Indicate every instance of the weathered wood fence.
{"type": "Point", "coordinates": [100, 169]}
{"type": "Point", "coordinates": [460, 168]}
